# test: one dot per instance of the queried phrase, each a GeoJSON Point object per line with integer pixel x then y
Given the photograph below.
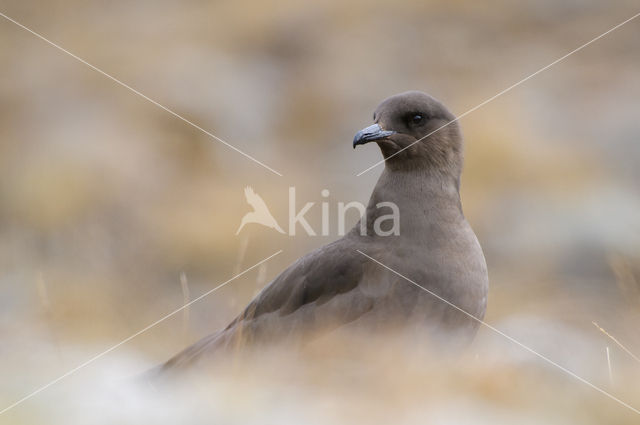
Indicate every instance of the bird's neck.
{"type": "Point", "coordinates": [425, 199]}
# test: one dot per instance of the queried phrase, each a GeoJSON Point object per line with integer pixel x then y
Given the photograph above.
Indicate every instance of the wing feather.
{"type": "Point", "coordinates": [314, 280]}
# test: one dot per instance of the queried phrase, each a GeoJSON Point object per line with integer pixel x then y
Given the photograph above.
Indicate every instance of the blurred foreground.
{"type": "Point", "coordinates": [347, 380]}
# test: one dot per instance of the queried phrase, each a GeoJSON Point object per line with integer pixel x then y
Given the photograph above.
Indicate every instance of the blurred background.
{"type": "Point", "coordinates": [114, 212]}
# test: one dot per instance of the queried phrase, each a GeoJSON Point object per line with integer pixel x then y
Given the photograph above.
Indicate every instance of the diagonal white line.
{"type": "Point", "coordinates": [175, 114]}
{"type": "Point", "coordinates": [515, 341]}
{"type": "Point", "coordinates": [141, 331]}
{"type": "Point", "coordinates": [504, 91]}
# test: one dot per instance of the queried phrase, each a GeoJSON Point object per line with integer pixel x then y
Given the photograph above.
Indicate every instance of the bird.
{"type": "Point", "coordinates": [260, 213]}
{"type": "Point", "coordinates": [338, 286]}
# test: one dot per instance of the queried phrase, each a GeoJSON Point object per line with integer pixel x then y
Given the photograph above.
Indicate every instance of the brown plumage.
{"type": "Point", "coordinates": [336, 286]}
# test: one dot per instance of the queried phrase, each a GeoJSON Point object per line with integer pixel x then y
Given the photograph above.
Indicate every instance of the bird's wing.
{"type": "Point", "coordinates": [320, 291]}
{"type": "Point", "coordinates": [315, 280]}
{"type": "Point", "coordinates": [255, 201]}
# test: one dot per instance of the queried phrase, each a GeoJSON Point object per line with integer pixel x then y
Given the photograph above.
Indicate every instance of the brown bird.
{"type": "Point", "coordinates": [336, 286]}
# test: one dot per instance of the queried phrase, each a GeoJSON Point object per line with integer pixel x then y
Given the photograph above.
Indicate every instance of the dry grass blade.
{"type": "Point", "coordinates": [618, 343]}
{"type": "Point", "coordinates": [186, 297]}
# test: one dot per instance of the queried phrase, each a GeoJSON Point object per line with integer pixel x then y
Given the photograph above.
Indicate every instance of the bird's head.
{"type": "Point", "coordinates": [407, 128]}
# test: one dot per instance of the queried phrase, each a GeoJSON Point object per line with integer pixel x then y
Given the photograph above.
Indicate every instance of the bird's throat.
{"type": "Point", "coordinates": [424, 201]}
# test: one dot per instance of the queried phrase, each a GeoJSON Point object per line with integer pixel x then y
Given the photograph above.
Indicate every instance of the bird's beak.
{"type": "Point", "coordinates": [369, 134]}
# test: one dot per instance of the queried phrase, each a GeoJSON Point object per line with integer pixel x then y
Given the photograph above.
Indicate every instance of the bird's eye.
{"type": "Point", "coordinates": [417, 119]}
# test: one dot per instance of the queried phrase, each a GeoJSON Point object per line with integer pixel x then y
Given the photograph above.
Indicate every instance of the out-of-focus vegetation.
{"type": "Point", "coordinates": [106, 199]}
